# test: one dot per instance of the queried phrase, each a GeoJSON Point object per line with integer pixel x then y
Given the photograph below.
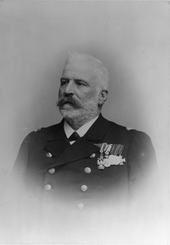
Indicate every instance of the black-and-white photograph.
{"type": "Point", "coordinates": [84, 122]}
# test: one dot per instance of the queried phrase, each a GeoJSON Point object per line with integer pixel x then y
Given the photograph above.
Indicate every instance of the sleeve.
{"type": "Point", "coordinates": [145, 202]}
{"type": "Point", "coordinates": [17, 197]}
{"type": "Point", "coordinates": [142, 163]}
{"type": "Point", "coordinates": [19, 170]}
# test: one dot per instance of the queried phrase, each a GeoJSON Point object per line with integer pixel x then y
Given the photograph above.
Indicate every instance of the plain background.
{"type": "Point", "coordinates": [131, 38]}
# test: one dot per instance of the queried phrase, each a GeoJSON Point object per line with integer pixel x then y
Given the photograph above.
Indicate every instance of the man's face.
{"type": "Point", "coordinates": [79, 90]}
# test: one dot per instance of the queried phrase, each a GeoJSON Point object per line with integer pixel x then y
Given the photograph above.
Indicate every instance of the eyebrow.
{"type": "Point", "coordinates": [75, 79]}
{"type": "Point", "coordinates": [64, 78]}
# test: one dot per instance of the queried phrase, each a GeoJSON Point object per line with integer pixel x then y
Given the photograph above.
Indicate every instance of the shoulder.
{"type": "Point", "coordinates": [43, 133]}
{"type": "Point", "coordinates": [141, 148]}
{"type": "Point", "coordinates": [134, 134]}
{"type": "Point", "coordinates": [140, 138]}
{"type": "Point", "coordinates": [46, 130]}
{"type": "Point", "coordinates": [135, 138]}
{"type": "Point", "coordinates": [114, 126]}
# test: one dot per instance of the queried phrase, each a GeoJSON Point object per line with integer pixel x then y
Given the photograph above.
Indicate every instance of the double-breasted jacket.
{"type": "Point", "coordinates": [66, 184]}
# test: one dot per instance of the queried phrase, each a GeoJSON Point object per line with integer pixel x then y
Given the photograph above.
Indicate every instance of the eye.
{"type": "Point", "coordinates": [80, 83]}
{"type": "Point", "coordinates": [64, 81]}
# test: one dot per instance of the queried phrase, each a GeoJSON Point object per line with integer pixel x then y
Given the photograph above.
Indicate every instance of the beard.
{"type": "Point", "coordinates": [73, 109]}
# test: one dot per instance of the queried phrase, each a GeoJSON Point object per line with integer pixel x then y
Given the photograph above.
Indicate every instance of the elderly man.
{"type": "Point", "coordinates": [82, 178]}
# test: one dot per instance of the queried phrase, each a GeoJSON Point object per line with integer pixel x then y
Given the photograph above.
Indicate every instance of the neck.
{"type": "Point", "coordinates": [77, 122]}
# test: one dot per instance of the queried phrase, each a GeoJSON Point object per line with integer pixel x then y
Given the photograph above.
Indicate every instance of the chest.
{"type": "Point", "coordinates": [77, 179]}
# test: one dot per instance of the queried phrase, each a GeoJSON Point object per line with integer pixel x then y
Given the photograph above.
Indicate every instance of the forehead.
{"type": "Point", "coordinates": [81, 70]}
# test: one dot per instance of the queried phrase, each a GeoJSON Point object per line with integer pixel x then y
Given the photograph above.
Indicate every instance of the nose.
{"type": "Point", "coordinates": [69, 89]}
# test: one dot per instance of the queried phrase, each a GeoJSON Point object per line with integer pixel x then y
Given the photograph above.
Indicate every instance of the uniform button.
{"type": "Point", "coordinates": [92, 155]}
{"type": "Point", "coordinates": [47, 187]}
{"type": "Point", "coordinates": [80, 206]}
{"type": "Point", "coordinates": [51, 170]}
{"type": "Point", "coordinates": [49, 155]}
{"type": "Point", "coordinates": [84, 187]}
{"type": "Point", "coordinates": [87, 170]}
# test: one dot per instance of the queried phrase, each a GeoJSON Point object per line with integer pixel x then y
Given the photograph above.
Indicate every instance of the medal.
{"type": "Point", "coordinates": [110, 155]}
{"type": "Point", "coordinates": [101, 157]}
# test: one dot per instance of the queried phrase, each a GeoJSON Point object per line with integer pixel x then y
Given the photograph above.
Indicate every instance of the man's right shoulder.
{"type": "Point", "coordinates": [48, 129]}
{"type": "Point", "coordinates": [43, 133]}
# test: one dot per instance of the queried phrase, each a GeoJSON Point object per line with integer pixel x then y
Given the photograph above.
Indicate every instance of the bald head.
{"type": "Point", "coordinates": [96, 65]}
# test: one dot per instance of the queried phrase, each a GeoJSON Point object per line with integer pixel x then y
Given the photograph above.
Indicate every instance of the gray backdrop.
{"type": "Point", "coordinates": [130, 37]}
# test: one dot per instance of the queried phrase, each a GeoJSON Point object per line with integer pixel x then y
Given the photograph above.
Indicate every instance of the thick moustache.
{"type": "Point", "coordinates": [68, 100]}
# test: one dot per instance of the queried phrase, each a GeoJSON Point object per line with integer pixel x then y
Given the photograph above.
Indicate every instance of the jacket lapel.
{"type": "Point", "coordinates": [98, 130]}
{"type": "Point", "coordinates": [57, 141]}
{"type": "Point", "coordinates": [83, 147]}
{"type": "Point", "coordinates": [80, 149]}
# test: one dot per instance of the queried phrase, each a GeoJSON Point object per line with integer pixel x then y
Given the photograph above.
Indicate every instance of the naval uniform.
{"type": "Point", "coordinates": [70, 195]}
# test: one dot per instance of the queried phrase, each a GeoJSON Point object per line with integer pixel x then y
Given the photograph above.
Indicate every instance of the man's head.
{"type": "Point", "coordinates": [83, 88]}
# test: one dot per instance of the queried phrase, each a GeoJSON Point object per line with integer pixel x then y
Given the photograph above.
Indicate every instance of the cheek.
{"type": "Point", "coordinates": [91, 94]}
{"type": "Point", "coordinates": [60, 92]}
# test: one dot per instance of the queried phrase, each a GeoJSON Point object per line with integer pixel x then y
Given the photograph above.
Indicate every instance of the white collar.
{"type": "Point", "coordinates": [81, 131]}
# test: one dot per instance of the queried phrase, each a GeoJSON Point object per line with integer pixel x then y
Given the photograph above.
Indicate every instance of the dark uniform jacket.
{"type": "Point", "coordinates": [68, 196]}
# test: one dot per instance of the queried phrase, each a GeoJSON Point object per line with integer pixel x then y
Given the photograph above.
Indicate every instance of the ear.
{"type": "Point", "coordinates": [103, 96]}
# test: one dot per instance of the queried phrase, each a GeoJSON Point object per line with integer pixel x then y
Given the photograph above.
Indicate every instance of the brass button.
{"type": "Point", "coordinates": [92, 155]}
{"type": "Point", "coordinates": [51, 170]}
{"type": "Point", "coordinates": [49, 155]}
{"type": "Point", "coordinates": [87, 170]}
{"type": "Point", "coordinates": [84, 188]}
{"type": "Point", "coordinates": [80, 206]}
{"type": "Point", "coordinates": [47, 187]}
